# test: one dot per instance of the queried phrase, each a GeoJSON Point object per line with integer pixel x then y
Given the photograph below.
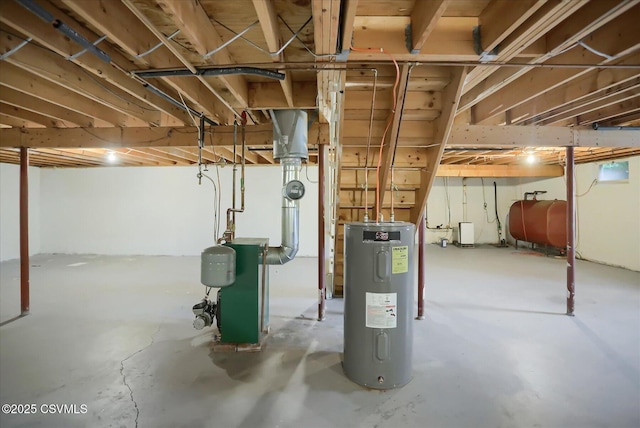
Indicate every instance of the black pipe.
{"type": "Point", "coordinates": [44, 14]}
{"type": "Point", "coordinates": [495, 199]}
{"type": "Point", "coordinates": [211, 72]}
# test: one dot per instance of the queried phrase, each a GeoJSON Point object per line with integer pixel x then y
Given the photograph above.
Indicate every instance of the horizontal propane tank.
{"type": "Point", "coordinates": [218, 266]}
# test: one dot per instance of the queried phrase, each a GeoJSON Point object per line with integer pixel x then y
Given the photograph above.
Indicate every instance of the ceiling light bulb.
{"type": "Point", "coordinates": [531, 159]}
{"type": "Point", "coordinates": [112, 157]}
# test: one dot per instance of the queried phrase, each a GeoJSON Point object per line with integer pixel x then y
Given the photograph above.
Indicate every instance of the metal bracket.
{"type": "Point", "coordinates": [343, 56]}
{"type": "Point", "coordinates": [76, 55]}
{"type": "Point", "coordinates": [408, 38]}
{"type": "Point", "coordinates": [16, 49]}
{"type": "Point", "coordinates": [477, 47]}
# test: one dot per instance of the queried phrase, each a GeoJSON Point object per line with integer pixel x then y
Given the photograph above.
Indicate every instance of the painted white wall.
{"type": "Point", "coordinates": [466, 202]}
{"type": "Point", "coordinates": [10, 211]}
{"type": "Point", "coordinates": [608, 216]}
{"type": "Point", "coordinates": [161, 210]}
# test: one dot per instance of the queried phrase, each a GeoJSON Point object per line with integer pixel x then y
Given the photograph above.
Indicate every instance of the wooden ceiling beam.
{"type": "Point", "coordinates": [386, 161]}
{"type": "Point", "coordinates": [268, 95]}
{"type": "Point", "coordinates": [499, 171]}
{"type": "Point", "coordinates": [533, 29]}
{"type": "Point", "coordinates": [592, 86]}
{"type": "Point", "coordinates": [22, 114]}
{"type": "Point", "coordinates": [623, 42]}
{"type": "Point", "coordinates": [580, 25]}
{"type": "Point", "coordinates": [600, 100]}
{"type": "Point", "coordinates": [450, 40]}
{"type": "Point", "coordinates": [54, 68]}
{"type": "Point", "coordinates": [348, 16]}
{"type": "Point", "coordinates": [623, 107]}
{"type": "Point", "coordinates": [222, 110]}
{"type": "Point", "coordinates": [18, 123]}
{"type": "Point", "coordinates": [265, 9]}
{"type": "Point", "coordinates": [450, 99]}
{"type": "Point", "coordinates": [194, 23]}
{"type": "Point", "coordinates": [128, 89]}
{"type": "Point", "coordinates": [424, 17]}
{"type": "Point", "coordinates": [27, 102]}
{"type": "Point", "coordinates": [28, 83]}
{"type": "Point", "coordinates": [135, 39]}
{"type": "Point", "coordinates": [502, 17]}
{"type": "Point", "coordinates": [474, 136]}
{"type": "Point", "coordinates": [256, 135]}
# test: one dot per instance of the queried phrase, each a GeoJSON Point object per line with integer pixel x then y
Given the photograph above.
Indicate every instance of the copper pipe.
{"type": "Point", "coordinates": [321, 274]}
{"type": "Point", "coordinates": [421, 227]}
{"type": "Point", "coordinates": [24, 231]}
{"type": "Point", "coordinates": [571, 233]}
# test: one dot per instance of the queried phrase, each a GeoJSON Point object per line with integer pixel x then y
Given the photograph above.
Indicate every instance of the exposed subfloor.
{"type": "Point", "coordinates": [495, 349]}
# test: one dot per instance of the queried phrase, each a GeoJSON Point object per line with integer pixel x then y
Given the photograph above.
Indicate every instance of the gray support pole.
{"type": "Point", "coordinates": [421, 227]}
{"type": "Point", "coordinates": [571, 232]}
{"type": "Point", "coordinates": [24, 231]}
{"type": "Point", "coordinates": [322, 291]}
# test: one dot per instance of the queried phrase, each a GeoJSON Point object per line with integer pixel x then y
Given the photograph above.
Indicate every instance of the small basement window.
{"type": "Point", "coordinates": [614, 171]}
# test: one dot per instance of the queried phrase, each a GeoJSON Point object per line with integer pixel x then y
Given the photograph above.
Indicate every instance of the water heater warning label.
{"type": "Point", "coordinates": [382, 310]}
{"type": "Point", "coordinates": [399, 259]}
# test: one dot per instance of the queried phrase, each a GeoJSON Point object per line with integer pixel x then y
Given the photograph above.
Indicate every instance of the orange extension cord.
{"type": "Point", "coordinates": [384, 134]}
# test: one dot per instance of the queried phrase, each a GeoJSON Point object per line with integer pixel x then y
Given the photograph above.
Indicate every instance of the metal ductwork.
{"type": "Point", "coordinates": [290, 136]}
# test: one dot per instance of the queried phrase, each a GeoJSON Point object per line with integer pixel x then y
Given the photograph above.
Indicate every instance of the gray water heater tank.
{"type": "Point", "coordinates": [378, 309]}
{"type": "Point", "coordinates": [218, 266]}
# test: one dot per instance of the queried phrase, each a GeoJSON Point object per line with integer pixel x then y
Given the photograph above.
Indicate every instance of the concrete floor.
{"type": "Point", "coordinates": [495, 350]}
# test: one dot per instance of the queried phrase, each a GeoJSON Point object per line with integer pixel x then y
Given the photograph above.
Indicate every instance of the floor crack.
{"type": "Point", "coordinates": [124, 377]}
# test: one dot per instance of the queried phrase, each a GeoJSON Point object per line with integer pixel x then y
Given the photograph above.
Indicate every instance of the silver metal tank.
{"type": "Point", "coordinates": [378, 309]}
{"type": "Point", "coordinates": [218, 266]}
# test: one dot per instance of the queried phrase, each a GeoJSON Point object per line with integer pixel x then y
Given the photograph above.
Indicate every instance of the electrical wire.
{"type": "Point", "coordinates": [384, 134]}
{"type": "Point", "coordinates": [307, 173]}
{"type": "Point", "coordinates": [216, 223]}
{"type": "Point", "coordinates": [484, 198]}
{"type": "Point", "coordinates": [445, 182]}
{"type": "Point", "coordinates": [595, 181]}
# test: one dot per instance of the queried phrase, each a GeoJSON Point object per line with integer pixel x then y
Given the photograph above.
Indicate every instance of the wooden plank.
{"type": "Point", "coordinates": [26, 82]}
{"type": "Point", "coordinates": [268, 95]}
{"type": "Point", "coordinates": [451, 40]}
{"type": "Point", "coordinates": [580, 25]}
{"type": "Point", "coordinates": [27, 102]}
{"type": "Point", "coordinates": [502, 17]}
{"type": "Point", "coordinates": [538, 136]}
{"type": "Point", "coordinates": [267, 16]}
{"type": "Point", "coordinates": [547, 17]}
{"type": "Point", "coordinates": [193, 22]}
{"type": "Point", "coordinates": [592, 85]}
{"type": "Point", "coordinates": [385, 161]}
{"type": "Point", "coordinates": [18, 123]}
{"type": "Point", "coordinates": [256, 135]}
{"type": "Point", "coordinates": [218, 114]}
{"type": "Point", "coordinates": [497, 171]}
{"type": "Point", "coordinates": [424, 17]}
{"type": "Point", "coordinates": [450, 99]}
{"type": "Point", "coordinates": [56, 69]}
{"type": "Point", "coordinates": [127, 88]}
{"type": "Point", "coordinates": [348, 16]}
{"type": "Point", "coordinates": [22, 114]}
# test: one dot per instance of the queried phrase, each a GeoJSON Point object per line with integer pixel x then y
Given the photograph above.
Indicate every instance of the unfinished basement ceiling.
{"type": "Point", "coordinates": [50, 89]}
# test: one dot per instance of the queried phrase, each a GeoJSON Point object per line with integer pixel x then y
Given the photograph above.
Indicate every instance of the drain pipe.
{"type": "Point", "coordinates": [290, 137]}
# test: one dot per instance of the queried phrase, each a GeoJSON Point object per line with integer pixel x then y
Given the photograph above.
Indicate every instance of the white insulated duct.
{"type": "Point", "coordinates": [290, 138]}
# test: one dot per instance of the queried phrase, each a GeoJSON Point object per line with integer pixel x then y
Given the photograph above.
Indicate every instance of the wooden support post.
{"type": "Point", "coordinates": [321, 274]}
{"type": "Point", "coordinates": [571, 233]}
{"type": "Point", "coordinates": [421, 226]}
{"type": "Point", "coordinates": [24, 231]}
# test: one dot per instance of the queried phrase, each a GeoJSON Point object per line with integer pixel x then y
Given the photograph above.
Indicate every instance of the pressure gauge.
{"type": "Point", "coordinates": [294, 190]}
